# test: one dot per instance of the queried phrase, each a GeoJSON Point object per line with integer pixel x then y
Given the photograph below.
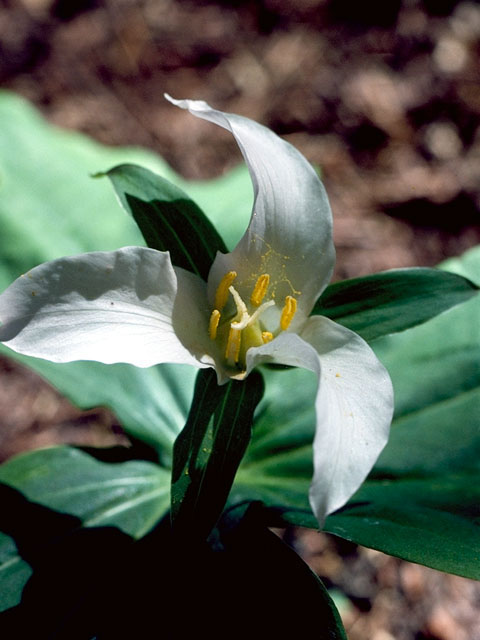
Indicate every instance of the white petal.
{"type": "Point", "coordinates": [287, 348]}
{"type": "Point", "coordinates": [191, 315]}
{"type": "Point", "coordinates": [105, 306]}
{"type": "Point", "coordinates": [354, 407]}
{"type": "Point", "coordinates": [290, 231]}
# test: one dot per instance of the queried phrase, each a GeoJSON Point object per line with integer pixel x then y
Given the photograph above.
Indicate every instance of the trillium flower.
{"type": "Point", "coordinates": [134, 306]}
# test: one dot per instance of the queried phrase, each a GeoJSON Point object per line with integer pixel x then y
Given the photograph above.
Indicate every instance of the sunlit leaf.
{"type": "Point", "coordinates": [168, 219]}
{"type": "Point", "coordinates": [392, 301]}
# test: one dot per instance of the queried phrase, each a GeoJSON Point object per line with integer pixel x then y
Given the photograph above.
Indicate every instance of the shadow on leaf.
{"type": "Point", "coordinates": [99, 583]}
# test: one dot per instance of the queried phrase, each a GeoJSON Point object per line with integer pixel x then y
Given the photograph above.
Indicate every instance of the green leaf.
{"type": "Point", "coordinates": [151, 404]}
{"type": "Point", "coordinates": [51, 491]}
{"type": "Point", "coordinates": [51, 207]}
{"type": "Point", "coordinates": [276, 580]}
{"type": "Point", "coordinates": [432, 521]}
{"type": "Point", "coordinates": [440, 438]}
{"type": "Point", "coordinates": [278, 465]}
{"type": "Point", "coordinates": [208, 451]}
{"type": "Point", "coordinates": [168, 219]}
{"type": "Point", "coordinates": [393, 301]}
{"type": "Point", "coordinates": [436, 377]}
{"type": "Point", "coordinates": [14, 573]}
{"type": "Point", "coordinates": [129, 495]}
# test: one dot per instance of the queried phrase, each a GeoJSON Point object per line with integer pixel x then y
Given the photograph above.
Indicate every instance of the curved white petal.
{"type": "Point", "coordinates": [354, 408]}
{"type": "Point", "coordinates": [354, 405]}
{"type": "Point", "coordinates": [290, 231]}
{"type": "Point", "coordinates": [105, 306]}
{"type": "Point", "coordinates": [191, 315]}
{"type": "Point", "coordinates": [287, 348]}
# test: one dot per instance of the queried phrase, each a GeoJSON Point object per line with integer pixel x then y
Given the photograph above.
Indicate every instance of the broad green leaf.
{"type": "Point", "coordinates": [436, 378]}
{"type": "Point", "coordinates": [51, 491]}
{"type": "Point", "coordinates": [432, 521]}
{"type": "Point", "coordinates": [14, 573]}
{"type": "Point", "coordinates": [440, 438]}
{"type": "Point", "coordinates": [278, 465]}
{"type": "Point", "coordinates": [168, 219]}
{"type": "Point", "coordinates": [438, 361]}
{"type": "Point", "coordinates": [466, 265]}
{"type": "Point", "coordinates": [50, 206]}
{"type": "Point", "coordinates": [151, 404]}
{"type": "Point", "coordinates": [393, 301]}
{"type": "Point", "coordinates": [276, 580]}
{"type": "Point", "coordinates": [129, 495]}
{"type": "Point", "coordinates": [209, 449]}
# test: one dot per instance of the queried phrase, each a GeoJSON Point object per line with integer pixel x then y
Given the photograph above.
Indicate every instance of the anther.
{"type": "Point", "coordinates": [221, 295]}
{"type": "Point", "coordinates": [260, 289]}
{"type": "Point", "coordinates": [213, 326]}
{"type": "Point", "coordinates": [267, 336]}
{"type": "Point", "coordinates": [232, 350]}
{"type": "Point", "coordinates": [288, 312]}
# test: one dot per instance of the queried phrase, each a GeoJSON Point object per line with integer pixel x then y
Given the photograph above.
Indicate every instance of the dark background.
{"type": "Point", "coordinates": [384, 97]}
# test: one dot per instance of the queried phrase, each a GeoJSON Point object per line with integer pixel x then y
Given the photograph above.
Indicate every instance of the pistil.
{"type": "Point", "coordinates": [242, 311]}
{"type": "Point", "coordinates": [245, 329]}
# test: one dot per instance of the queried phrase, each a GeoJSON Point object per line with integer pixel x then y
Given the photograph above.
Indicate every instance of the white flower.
{"type": "Point", "coordinates": [133, 306]}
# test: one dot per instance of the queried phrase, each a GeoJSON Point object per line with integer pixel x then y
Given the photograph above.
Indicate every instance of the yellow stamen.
{"type": "Point", "coordinates": [213, 326]}
{"type": "Point", "coordinates": [221, 295]}
{"type": "Point", "coordinates": [260, 289]}
{"type": "Point", "coordinates": [232, 351]}
{"type": "Point", "coordinates": [288, 312]}
{"type": "Point", "coordinates": [267, 336]}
